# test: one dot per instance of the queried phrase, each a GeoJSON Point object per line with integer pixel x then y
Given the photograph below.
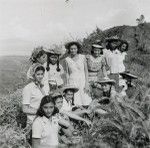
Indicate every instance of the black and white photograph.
{"type": "Point", "coordinates": [74, 73]}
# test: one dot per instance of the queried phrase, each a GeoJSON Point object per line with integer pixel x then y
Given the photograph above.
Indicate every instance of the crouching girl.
{"type": "Point", "coordinates": [46, 125]}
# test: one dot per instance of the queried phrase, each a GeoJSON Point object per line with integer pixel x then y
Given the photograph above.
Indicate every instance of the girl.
{"type": "Point", "coordinates": [122, 56]}
{"type": "Point", "coordinates": [34, 91]}
{"type": "Point", "coordinates": [46, 125]}
{"type": "Point", "coordinates": [38, 56]}
{"type": "Point", "coordinates": [55, 71]}
{"type": "Point", "coordinates": [96, 64]}
{"type": "Point", "coordinates": [77, 73]}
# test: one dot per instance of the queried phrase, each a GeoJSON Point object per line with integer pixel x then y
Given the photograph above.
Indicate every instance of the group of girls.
{"type": "Point", "coordinates": [55, 91]}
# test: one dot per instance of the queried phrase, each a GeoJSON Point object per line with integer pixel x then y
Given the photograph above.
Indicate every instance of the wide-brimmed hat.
{"type": "Point", "coordinates": [127, 74]}
{"type": "Point", "coordinates": [97, 46]}
{"type": "Point", "coordinates": [56, 93]}
{"type": "Point", "coordinates": [106, 81]}
{"type": "Point", "coordinates": [53, 51]}
{"type": "Point", "coordinates": [70, 87]}
{"type": "Point", "coordinates": [67, 45]}
{"type": "Point", "coordinates": [113, 38]}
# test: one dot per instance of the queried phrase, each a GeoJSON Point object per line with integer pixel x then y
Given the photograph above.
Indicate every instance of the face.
{"type": "Point", "coordinates": [69, 95]}
{"type": "Point", "coordinates": [123, 47]}
{"type": "Point", "coordinates": [96, 52]}
{"type": "Point", "coordinates": [42, 59]}
{"type": "Point", "coordinates": [53, 59]}
{"type": "Point", "coordinates": [48, 109]}
{"type": "Point", "coordinates": [114, 44]}
{"type": "Point", "coordinates": [106, 87]}
{"type": "Point", "coordinates": [59, 102]}
{"type": "Point", "coordinates": [39, 75]}
{"type": "Point", "coordinates": [73, 50]}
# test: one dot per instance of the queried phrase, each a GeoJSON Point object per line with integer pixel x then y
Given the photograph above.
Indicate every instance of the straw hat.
{"type": "Point", "coordinates": [70, 86]}
{"type": "Point", "coordinates": [56, 93]}
{"type": "Point", "coordinates": [97, 46]}
{"type": "Point", "coordinates": [128, 75]}
{"type": "Point", "coordinates": [113, 38]}
{"type": "Point", "coordinates": [106, 81]}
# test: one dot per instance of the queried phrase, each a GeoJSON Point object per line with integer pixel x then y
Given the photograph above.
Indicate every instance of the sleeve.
{"type": "Point", "coordinates": [36, 129]}
{"type": "Point", "coordinates": [62, 69]}
{"type": "Point", "coordinates": [26, 95]}
{"type": "Point", "coordinates": [103, 62]}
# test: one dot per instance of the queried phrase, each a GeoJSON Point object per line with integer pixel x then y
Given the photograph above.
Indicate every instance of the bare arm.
{"type": "Point", "coordinates": [29, 110]}
{"type": "Point", "coordinates": [76, 117]}
{"type": "Point", "coordinates": [86, 73]}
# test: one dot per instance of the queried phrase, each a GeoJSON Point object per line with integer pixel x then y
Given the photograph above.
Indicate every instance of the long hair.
{"type": "Point", "coordinates": [127, 45]}
{"type": "Point", "coordinates": [45, 100]}
{"type": "Point", "coordinates": [48, 62]}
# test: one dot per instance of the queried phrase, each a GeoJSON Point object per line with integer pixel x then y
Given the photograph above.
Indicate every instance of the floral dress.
{"type": "Point", "coordinates": [95, 67]}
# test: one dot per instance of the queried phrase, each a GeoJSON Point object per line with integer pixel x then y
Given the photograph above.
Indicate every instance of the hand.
{"type": "Point", "coordinates": [88, 122]}
{"type": "Point", "coordinates": [87, 88]}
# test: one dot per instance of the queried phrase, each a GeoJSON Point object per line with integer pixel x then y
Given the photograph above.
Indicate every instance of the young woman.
{"type": "Point", "coordinates": [34, 91]}
{"type": "Point", "coordinates": [38, 56]}
{"type": "Point", "coordinates": [77, 73]}
{"type": "Point", "coordinates": [55, 71]}
{"type": "Point", "coordinates": [96, 63]}
{"type": "Point", "coordinates": [112, 55]}
{"type": "Point", "coordinates": [46, 125]}
{"type": "Point", "coordinates": [122, 56]}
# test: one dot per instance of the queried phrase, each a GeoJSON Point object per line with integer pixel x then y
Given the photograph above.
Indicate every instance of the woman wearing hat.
{"type": "Point", "coordinates": [96, 63]}
{"type": "Point", "coordinates": [34, 91]}
{"type": "Point", "coordinates": [54, 70]}
{"type": "Point", "coordinates": [77, 73]}
{"type": "Point", "coordinates": [38, 56]}
{"type": "Point", "coordinates": [112, 55]}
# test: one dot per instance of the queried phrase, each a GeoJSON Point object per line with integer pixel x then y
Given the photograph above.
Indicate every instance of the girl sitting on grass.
{"type": "Point", "coordinates": [46, 125]}
{"type": "Point", "coordinates": [34, 92]}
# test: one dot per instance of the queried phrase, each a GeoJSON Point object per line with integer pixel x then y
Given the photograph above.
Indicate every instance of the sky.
{"type": "Point", "coordinates": [25, 24]}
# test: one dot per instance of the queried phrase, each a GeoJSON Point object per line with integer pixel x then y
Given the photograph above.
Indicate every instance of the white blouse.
{"type": "Point", "coordinates": [46, 130]}
{"type": "Point", "coordinates": [32, 96]}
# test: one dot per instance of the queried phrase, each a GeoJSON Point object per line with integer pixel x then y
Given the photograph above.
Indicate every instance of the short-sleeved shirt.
{"type": "Point", "coordinates": [46, 130]}
{"type": "Point", "coordinates": [32, 96]}
{"type": "Point", "coordinates": [54, 75]}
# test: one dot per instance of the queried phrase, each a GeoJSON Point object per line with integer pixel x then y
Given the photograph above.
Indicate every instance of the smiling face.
{"type": "Point", "coordinates": [42, 59]}
{"type": "Point", "coordinates": [69, 94]}
{"type": "Point", "coordinates": [53, 59]}
{"type": "Point", "coordinates": [123, 47]}
{"type": "Point", "coordinates": [73, 50]}
{"type": "Point", "coordinates": [39, 75]}
{"type": "Point", "coordinates": [48, 109]}
{"type": "Point", "coordinates": [114, 44]}
{"type": "Point", "coordinates": [59, 102]}
{"type": "Point", "coordinates": [96, 52]}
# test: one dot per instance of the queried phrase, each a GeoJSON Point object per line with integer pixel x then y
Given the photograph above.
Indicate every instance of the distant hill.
{"type": "Point", "coordinates": [12, 73]}
{"type": "Point", "coordinates": [13, 68]}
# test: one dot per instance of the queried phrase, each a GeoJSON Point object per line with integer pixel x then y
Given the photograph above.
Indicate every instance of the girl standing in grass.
{"type": "Point", "coordinates": [46, 125]}
{"type": "Point", "coordinates": [55, 71]}
{"type": "Point", "coordinates": [77, 73]}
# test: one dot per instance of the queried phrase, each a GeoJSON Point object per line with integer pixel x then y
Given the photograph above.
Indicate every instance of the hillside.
{"type": "Point", "coordinates": [13, 68]}
{"type": "Point", "coordinates": [12, 73]}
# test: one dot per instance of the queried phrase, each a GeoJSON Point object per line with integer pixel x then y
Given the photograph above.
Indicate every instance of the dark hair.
{"type": "Point", "coordinates": [33, 59]}
{"type": "Point", "coordinates": [55, 98]}
{"type": "Point", "coordinates": [73, 95]}
{"type": "Point", "coordinates": [92, 51]}
{"type": "Point", "coordinates": [40, 68]}
{"type": "Point", "coordinates": [48, 62]}
{"type": "Point", "coordinates": [68, 45]}
{"type": "Point", "coordinates": [45, 100]}
{"type": "Point", "coordinates": [108, 44]}
{"type": "Point", "coordinates": [127, 45]}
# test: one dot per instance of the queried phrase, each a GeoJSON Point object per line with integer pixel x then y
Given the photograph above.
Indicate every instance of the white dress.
{"type": "Point", "coordinates": [76, 72]}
